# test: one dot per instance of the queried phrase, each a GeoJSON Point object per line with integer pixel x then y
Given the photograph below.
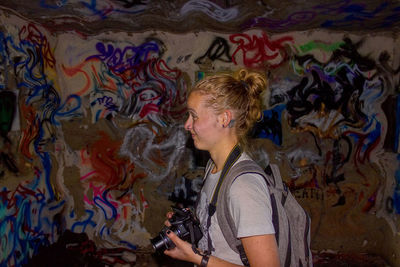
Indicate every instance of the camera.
{"type": "Point", "coordinates": [184, 224]}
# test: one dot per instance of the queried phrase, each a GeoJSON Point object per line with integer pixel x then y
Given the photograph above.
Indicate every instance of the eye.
{"type": "Point", "coordinates": [191, 114]}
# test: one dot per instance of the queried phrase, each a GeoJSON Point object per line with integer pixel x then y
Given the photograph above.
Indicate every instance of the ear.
{"type": "Point", "coordinates": [227, 117]}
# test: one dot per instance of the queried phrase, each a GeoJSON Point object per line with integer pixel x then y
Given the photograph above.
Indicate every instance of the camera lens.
{"type": "Point", "coordinates": [183, 224]}
{"type": "Point", "coordinates": [159, 243]}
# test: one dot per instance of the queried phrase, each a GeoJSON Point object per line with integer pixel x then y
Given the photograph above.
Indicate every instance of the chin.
{"type": "Point", "coordinates": [198, 145]}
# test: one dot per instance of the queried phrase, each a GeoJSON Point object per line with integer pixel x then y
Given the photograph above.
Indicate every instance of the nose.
{"type": "Point", "coordinates": [188, 123]}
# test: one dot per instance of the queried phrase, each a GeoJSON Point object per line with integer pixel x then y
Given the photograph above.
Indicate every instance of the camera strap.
{"type": "Point", "coordinates": [212, 207]}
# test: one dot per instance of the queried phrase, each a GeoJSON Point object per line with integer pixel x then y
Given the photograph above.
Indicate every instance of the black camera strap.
{"type": "Point", "coordinates": [212, 207]}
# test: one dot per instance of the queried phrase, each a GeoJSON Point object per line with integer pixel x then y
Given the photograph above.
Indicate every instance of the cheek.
{"type": "Point", "coordinates": [204, 127]}
{"type": "Point", "coordinates": [197, 127]}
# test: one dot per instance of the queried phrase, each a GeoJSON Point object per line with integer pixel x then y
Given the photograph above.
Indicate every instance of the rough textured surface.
{"type": "Point", "coordinates": [181, 16]}
{"type": "Point", "coordinates": [93, 99]}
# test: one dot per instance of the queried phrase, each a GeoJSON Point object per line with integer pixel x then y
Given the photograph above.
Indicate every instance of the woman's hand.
{"type": "Point", "coordinates": [169, 216]}
{"type": "Point", "coordinates": [183, 250]}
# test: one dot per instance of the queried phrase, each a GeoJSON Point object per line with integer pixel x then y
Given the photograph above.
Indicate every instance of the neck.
{"type": "Point", "coordinates": [221, 153]}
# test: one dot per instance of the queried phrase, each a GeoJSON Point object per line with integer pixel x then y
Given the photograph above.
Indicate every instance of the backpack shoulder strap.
{"type": "Point", "coordinates": [224, 217]}
{"type": "Point", "coordinates": [274, 177]}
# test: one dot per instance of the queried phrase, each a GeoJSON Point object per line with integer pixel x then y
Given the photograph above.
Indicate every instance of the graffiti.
{"type": "Point", "coordinates": [103, 106]}
{"type": "Point", "coordinates": [95, 76]}
{"type": "Point", "coordinates": [185, 192]}
{"type": "Point", "coordinates": [110, 202]}
{"type": "Point", "coordinates": [338, 160]}
{"type": "Point", "coordinates": [100, 9]}
{"type": "Point", "coordinates": [154, 151]}
{"type": "Point", "coordinates": [122, 60]}
{"type": "Point", "coordinates": [107, 102]}
{"type": "Point", "coordinates": [309, 193]}
{"type": "Point", "coordinates": [321, 112]}
{"type": "Point", "coordinates": [109, 171]}
{"type": "Point", "coordinates": [346, 14]}
{"type": "Point", "coordinates": [32, 34]}
{"type": "Point", "coordinates": [335, 161]}
{"type": "Point", "coordinates": [318, 105]}
{"type": "Point", "coordinates": [210, 9]}
{"type": "Point", "coordinates": [395, 199]}
{"type": "Point", "coordinates": [32, 225]}
{"type": "Point", "coordinates": [305, 48]}
{"type": "Point", "coordinates": [335, 101]}
{"type": "Point", "coordinates": [260, 52]}
{"type": "Point", "coordinates": [390, 73]}
{"type": "Point", "coordinates": [352, 13]}
{"type": "Point", "coordinates": [384, 59]}
{"type": "Point", "coordinates": [270, 126]}
{"type": "Point", "coordinates": [30, 133]}
{"type": "Point", "coordinates": [182, 59]}
{"type": "Point", "coordinates": [365, 143]}
{"type": "Point", "coordinates": [58, 4]}
{"type": "Point", "coordinates": [158, 95]}
{"type": "Point", "coordinates": [103, 10]}
{"type": "Point", "coordinates": [297, 18]}
{"type": "Point", "coordinates": [143, 87]}
{"type": "Point", "coordinates": [301, 161]}
{"type": "Point", "coordinates": [219, 50]}
{"type": "Point", "coordinates": [101, 122]}
{"type": "Point", "coordinates": [132, 3]}
{"type": "Point", "coordinates": [316, 97]}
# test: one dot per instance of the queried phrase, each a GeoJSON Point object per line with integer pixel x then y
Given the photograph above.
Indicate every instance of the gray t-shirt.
{"type": "Point", "coordinates": [250, 206]}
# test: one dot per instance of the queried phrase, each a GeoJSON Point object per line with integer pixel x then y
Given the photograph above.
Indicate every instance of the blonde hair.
{"type": "Point", "coordinates": [240, 93]}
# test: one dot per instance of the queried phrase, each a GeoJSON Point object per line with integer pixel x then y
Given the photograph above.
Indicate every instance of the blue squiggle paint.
{"type": "Point", "coordinates": [85, 223]}
{"type": "Point", "coordinates": [71, 112]}
{"type": "Point", "coordinates": [128, 244]}
{"type": "Point", "coordinates": [60, 4]}
{"type": "Point", "coordinates": [117, 59]}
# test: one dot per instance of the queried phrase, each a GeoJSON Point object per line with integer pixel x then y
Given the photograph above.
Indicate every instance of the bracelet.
{"type": "Point", "coordinates": [204, 261]}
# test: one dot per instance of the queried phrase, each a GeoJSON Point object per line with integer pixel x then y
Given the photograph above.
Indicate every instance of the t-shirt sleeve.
{"type": "Point", "coordinates": [250, 206]}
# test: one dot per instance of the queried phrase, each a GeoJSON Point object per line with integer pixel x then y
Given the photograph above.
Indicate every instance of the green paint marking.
{"type": "Point", "coordinates": [317, 45]}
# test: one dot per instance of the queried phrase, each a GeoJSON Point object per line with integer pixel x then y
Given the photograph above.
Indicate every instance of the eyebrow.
{"type": "Point", "coordinates": [191, 110]}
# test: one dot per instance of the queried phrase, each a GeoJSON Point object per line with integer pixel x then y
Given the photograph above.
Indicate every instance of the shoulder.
{"type": "Point", "coordinates": [251, 184]}
{"type": "Point", "coordinates": [248, 173]}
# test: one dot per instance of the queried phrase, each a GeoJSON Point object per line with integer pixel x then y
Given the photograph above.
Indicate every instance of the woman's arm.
{"type": "Point", "coordinates": [183, 251]}
{"type": "Point", "coordinates": [260, 250]}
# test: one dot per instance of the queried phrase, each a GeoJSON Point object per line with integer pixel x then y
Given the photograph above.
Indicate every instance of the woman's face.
{"type": "Point", "coordinates": [203, 124]}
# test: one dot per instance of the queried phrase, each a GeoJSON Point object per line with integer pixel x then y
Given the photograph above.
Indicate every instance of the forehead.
{"type": "Point", "coordinates": [197, 101]}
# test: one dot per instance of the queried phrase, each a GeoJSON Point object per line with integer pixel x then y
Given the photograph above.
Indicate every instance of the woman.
{"type": "Point", "coordinates": [222, 109]}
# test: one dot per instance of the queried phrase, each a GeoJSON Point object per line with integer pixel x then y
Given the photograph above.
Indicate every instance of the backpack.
{"type": "Point", "coordinates": [291, 222]}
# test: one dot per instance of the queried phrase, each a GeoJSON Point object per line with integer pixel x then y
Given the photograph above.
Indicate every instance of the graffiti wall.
{"type": "Point", "coordinates": [92, 138]}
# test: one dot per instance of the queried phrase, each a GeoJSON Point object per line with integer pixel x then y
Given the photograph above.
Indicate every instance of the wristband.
{"type": "Point", "coordinates": [204, 261]}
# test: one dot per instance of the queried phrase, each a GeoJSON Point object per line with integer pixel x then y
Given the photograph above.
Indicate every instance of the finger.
{"type": "Point", "coordinates": [170, 252]}
{"type": "Point", "coordinates": [167, 223]}
{"type": "Point", "coordinates": [174, 238]}
{"type": "Point", "coordinates": [169, 214]}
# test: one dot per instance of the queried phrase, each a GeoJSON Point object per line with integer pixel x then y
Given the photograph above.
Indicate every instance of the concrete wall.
{"type": "Point", "coordinates": [92, 138]}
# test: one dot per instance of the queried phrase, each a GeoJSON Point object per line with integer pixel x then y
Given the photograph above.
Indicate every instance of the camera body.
{"type": "Point", "coordinates": [184, 224]}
